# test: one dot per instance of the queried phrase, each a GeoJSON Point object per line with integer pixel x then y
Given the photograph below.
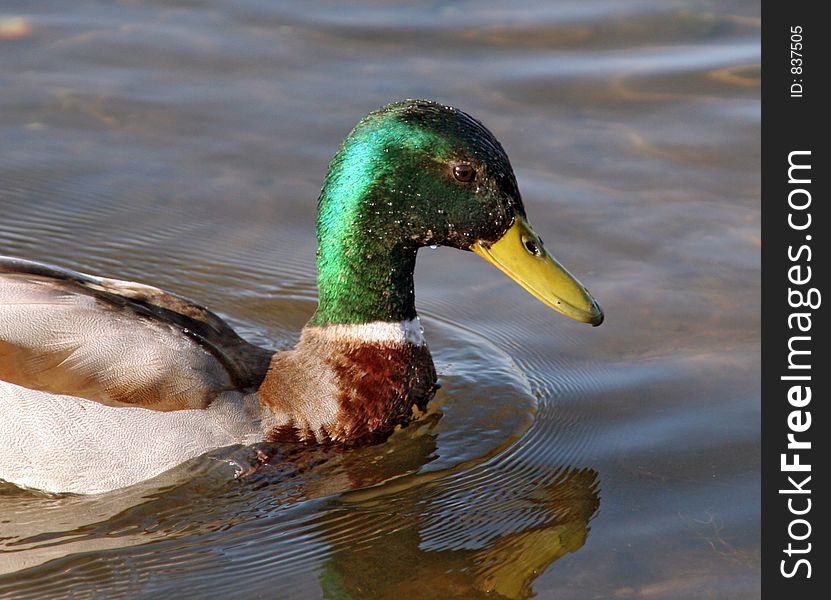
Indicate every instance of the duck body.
{"type": "Point", "coordinates": [105, 383]}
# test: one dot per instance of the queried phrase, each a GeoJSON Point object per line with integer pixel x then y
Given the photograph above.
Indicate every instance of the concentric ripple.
{"type": "Point", "coordinates": [477, 475]}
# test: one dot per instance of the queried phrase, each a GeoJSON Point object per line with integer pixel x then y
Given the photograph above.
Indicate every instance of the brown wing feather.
{"type": "Point", "coordinates": [116, 342]}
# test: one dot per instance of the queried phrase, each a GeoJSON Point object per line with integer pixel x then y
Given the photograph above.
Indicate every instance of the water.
{"type": "Point", "coordinates": [183, 144]}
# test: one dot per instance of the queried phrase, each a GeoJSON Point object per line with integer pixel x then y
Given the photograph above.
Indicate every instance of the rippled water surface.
{"type": "Point", "coordinates": [183, 144]}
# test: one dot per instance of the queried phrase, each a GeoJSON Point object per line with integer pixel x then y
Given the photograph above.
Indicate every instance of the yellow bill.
{"type": "Point", "coordinates": [521, 255]}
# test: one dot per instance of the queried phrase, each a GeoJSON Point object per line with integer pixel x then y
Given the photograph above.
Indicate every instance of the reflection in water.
{"type": "Point", "coordinates": [504, 567]}
{"type": "Point", "coordinates": [384, 538]}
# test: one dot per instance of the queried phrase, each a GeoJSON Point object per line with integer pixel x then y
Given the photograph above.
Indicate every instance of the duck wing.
{"type": "Point", "coordinates": [116, 342]}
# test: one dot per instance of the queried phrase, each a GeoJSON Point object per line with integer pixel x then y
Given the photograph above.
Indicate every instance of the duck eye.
{"type": "Point", "coordinates": [531, 246]}
{"type": "Point", "coordinates": [464, 172]}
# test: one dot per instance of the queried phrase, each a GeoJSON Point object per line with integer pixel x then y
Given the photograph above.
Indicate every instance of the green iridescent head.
{"type": "Point", "coordinates": [412, 174]}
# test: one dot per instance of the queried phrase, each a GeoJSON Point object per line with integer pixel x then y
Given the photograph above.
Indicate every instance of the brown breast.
{"type": "Point", "coordinates": [343, 391]}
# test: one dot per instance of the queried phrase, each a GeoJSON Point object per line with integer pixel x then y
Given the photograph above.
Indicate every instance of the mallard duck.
{"type": "Point", "coordinates": [105, 383]}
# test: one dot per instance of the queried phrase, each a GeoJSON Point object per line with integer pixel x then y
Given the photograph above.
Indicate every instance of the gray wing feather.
{"type": "Point", "coordinates": [116, 342]}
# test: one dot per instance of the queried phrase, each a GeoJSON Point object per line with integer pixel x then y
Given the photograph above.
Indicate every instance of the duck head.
{"type": "Point", "coordinates": [417, 173]}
